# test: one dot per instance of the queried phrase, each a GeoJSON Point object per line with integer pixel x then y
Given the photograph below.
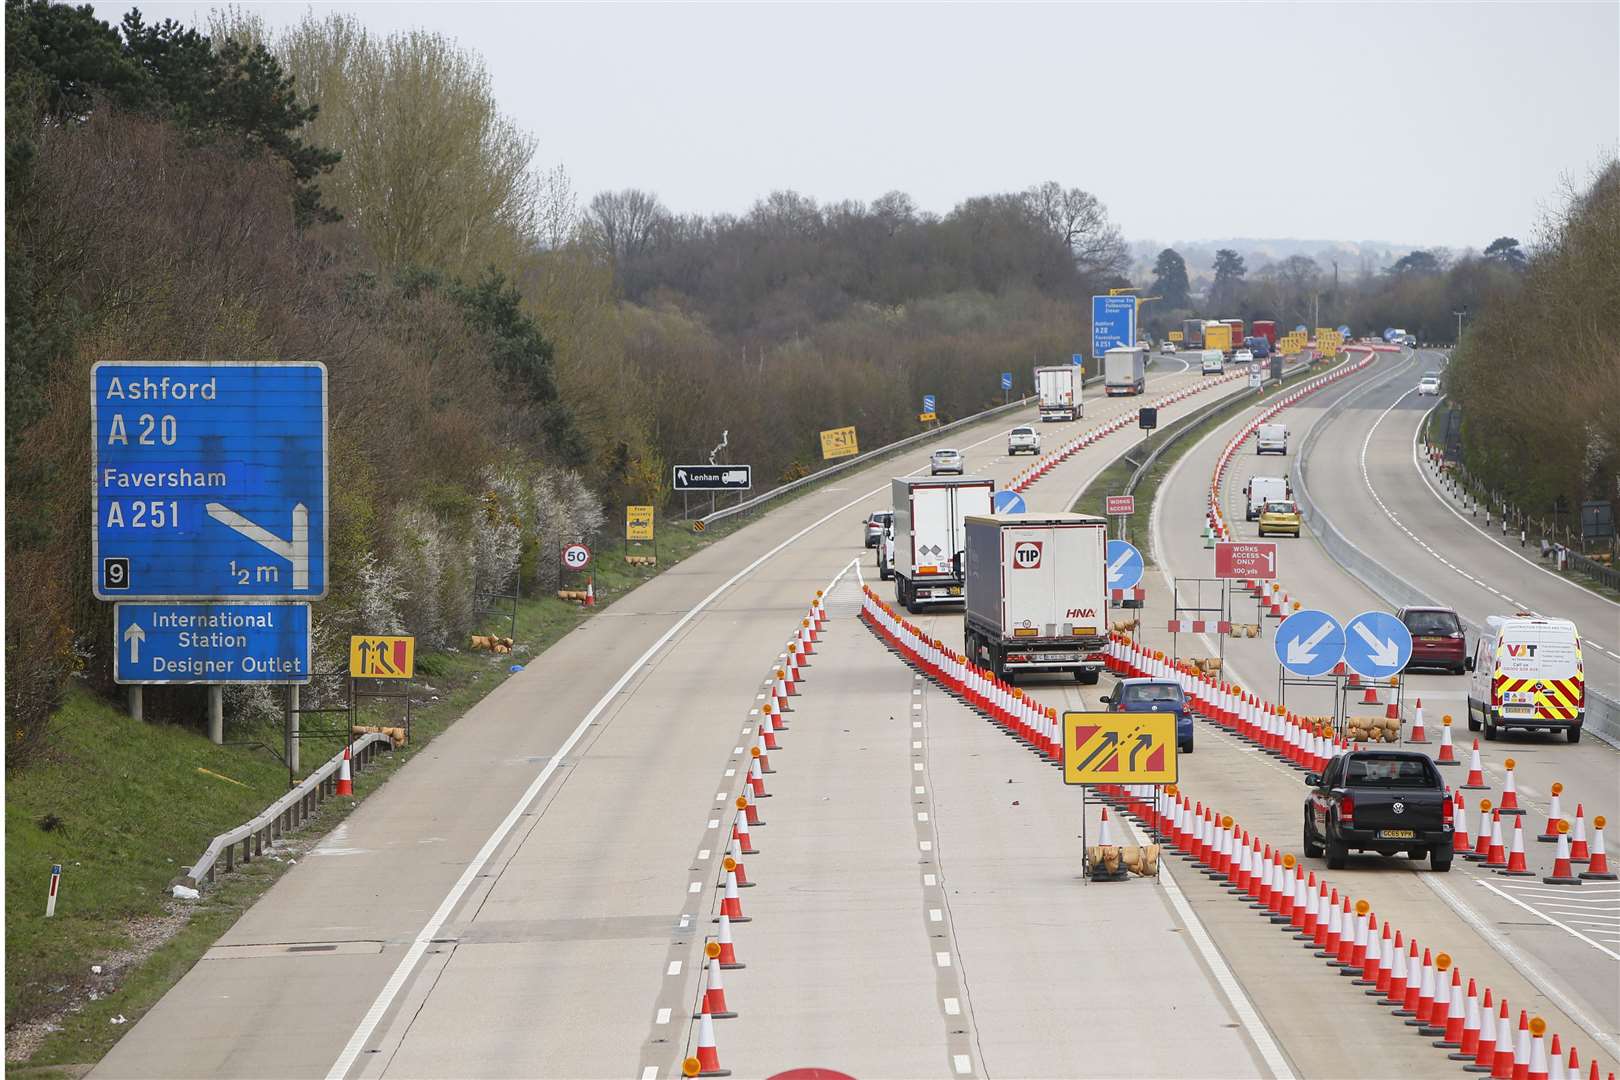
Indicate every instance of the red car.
{"type": "Point", "coordinates": [1437, 639]}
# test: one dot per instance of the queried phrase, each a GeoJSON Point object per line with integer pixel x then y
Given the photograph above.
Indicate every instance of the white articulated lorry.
{"type": "Point", "coordinates": [1037, 593]}
{"type": "Point", "coordinates": [929, 517]}
{"type": "Point", "coordinates": [1059, 391]}
{"type": "Point", "coordinates": [1124, 371]}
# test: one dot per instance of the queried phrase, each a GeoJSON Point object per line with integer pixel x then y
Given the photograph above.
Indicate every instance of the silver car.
{"type": "Point", "coordinates": [946, 461]}
{"type": "Point", "coordinates": [1429, 384]}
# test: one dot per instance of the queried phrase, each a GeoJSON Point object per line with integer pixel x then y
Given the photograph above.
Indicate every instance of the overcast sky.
{"type": "Point", "coordinates": [1417, 123]}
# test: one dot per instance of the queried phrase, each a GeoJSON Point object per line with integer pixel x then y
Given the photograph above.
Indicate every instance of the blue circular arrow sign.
{"type": "Point", "coordinates": [1008, 502]}
{"type": "Point", "coordinates": [1376, 644]}
{"type": "Point", "coordinates": [1309, 642]}
{"type": "Point", "coordinates": [1124, 565]}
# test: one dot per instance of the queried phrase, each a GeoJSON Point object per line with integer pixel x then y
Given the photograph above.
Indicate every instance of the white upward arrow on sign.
{"type": "Point", "coordinates": [134, 635]}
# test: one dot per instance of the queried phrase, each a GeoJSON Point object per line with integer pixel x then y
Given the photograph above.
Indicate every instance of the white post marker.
{"type": "Point", "coordinates": [50, 897]}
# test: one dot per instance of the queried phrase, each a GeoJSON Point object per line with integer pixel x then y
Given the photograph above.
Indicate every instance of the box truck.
{"type": "Point", "coordinates": [1192, 333]}
{"type": "Point", "coordinates": [928, 536]}
{"type": "Point", "coordinates": [1236, 326]}
{"type": "Point", "coordinates": [1124, 371]}
{"type": "Point", "coordinates": [1059, 391]}
{"type": "Point", "coordinates": [1037, 593]}
{"type": "Point", "coordinates": [1266, 328]}
{"type": "Point", "coordinates": [1218, 336]}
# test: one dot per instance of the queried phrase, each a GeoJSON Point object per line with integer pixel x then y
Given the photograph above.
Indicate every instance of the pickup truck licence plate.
{"type": "Point", "coordinates": [1396, 834]}
{"type": "Point", "coordinates": [956, 590]}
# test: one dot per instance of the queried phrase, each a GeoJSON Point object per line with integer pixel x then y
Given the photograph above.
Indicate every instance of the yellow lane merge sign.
{"type": "Point", "coordinates": [638, 523]}
{"type": "Point", "coordinates": [1177, 335]}
{"type": "Point", "coordinates": [1119, 748]}
{"type": "Point", "coordinates": [382, 656]}
{"type": "Point", "coordinates": [839, 442]}
{"type": "Point", "coordinates": [927, 417]}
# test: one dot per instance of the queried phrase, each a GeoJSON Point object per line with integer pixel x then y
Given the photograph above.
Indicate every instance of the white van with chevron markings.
{"type": "Point", "coordinates": [1527, 673]}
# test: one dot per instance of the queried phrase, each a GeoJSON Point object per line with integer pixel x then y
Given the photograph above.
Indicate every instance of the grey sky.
{"type": "Point", "coordinates": [1421, 123]}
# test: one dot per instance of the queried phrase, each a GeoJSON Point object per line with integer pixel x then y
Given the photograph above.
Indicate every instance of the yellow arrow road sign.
{"type": "Point", "coordinates": [1119, 748]}
{"type": "Point", "coordinates": [382, 656]}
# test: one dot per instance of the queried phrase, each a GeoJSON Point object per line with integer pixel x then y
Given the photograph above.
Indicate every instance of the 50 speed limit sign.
{"type": "Point", "coordinates": [576, 556]}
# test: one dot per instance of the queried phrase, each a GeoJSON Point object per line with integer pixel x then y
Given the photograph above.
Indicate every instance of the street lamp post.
{"type": "Point", "coordinates": [1459, 315]}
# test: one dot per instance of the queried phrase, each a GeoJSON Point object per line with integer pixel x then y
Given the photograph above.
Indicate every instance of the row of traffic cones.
{"type": "Point", "coordinates": [1025, 478]}
{"type": "Point", "coordinates": [1349, 937]}
{"type": "Point", "coordinates": [720, 953]}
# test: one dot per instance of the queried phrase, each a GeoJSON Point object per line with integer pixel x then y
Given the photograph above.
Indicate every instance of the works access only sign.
{"type": "Point", "coordinates": [209, 481]}
{"type": "Point", "coordinates": [1245, 559]}
{"type": "Point", "coordinates": [1119, 748]}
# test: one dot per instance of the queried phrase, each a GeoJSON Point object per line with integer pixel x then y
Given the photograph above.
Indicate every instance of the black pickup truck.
{"type": "Point", "coordinates": [1385, 801]}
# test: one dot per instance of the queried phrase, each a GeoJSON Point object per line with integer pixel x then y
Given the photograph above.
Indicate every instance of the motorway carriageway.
{"type": "Point", "coordinates": [1553, 952]}
{"type": "Point", "coordinates": [511, 903]}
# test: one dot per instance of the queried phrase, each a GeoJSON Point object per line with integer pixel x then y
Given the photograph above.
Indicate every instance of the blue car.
{"type": "Point", "coordinates": [1154, 695]}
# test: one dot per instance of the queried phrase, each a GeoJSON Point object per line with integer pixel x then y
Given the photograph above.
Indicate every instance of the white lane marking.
{"type": "Point", "coordinates": [930, 880]}
{"type": "Point", "coordinates": [961, 1063]}
{"type": "Point", "coordinates": [926, 845]}
{"type": "Point", "coordinates": [1441, 498]}
{"type": "Point", "coordinates": [674, 968]}
{"type": "Point", "coordinates": [918, 789]}
{"type": "Point", "coordinates": [953, 1007]}
{"type": "Point", "coordinates": [695, 887]}
{"type": "Point", "coordinates": [703, 854]}
{"type": "Point", "coordinates": [663, 1016]}
{"type": "Point", "coordinates": [1519, 960]}
{"type": "Point", "coordinates": [714, 823]}
{"type": "Point", "coordinates": [649, 1073]}
{"type": "Point", "coordinates": [418, 948]}
{"type": "Point", "coordinates": [935, 914]}
{"type": "Point", "coordinates": [1242, 1007]}
{"type": "Point", "coordinates": [943, 959]}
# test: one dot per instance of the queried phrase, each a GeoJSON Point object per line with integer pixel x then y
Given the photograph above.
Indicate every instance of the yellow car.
{"type": "Point", "coordinates": [1279, 517]}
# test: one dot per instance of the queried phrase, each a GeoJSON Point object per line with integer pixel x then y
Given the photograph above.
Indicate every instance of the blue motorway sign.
{"type": "Point", "coordinates": [1006, 380]}
{"type": "Point", "coordinates": [211, 643]}
{"type": "Point", "coordinates": [209, 480]}
{"type": "Point", "coordinates": [928, 403]}
{"type": "Point", "coordinates": [1008, 502]}
{"type": "Point", "coordinates": [1344, 332]}
{"type": "Point", "coordinates": [1077, 359]}
{"type": "Point", "coordinates": [1113, 323]}
{"type": "Point", "coordinates": [1376, 644]}
{"type": "Point", "coordinates": [1309, 642]}
{"type": "Point", "coordinates": [1124, 565]}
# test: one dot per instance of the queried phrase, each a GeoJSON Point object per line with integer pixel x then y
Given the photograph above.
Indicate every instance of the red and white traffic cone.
{"type": "Point", "coordinates": [756, 780]}
{"type": "Point", "coordinates": [1555, 814]}
{"type": "Point", "coordinates": [706, 1062]}
{"type": "Point", "coordinates": [714, 991]}
{"type": "Point", "coordinates": [1521, 1048]}
{"type": "Point", "coordinates": [1487, 1035]}
{"type": "Point", "coordinates": [1598, 868]}
{"type": "Point", "coordinates": [1412, 986]}
{"type": "Point", "coordinates": [1496, 859]}
{"type": "Point", "coordinates": [1482, 844]}
{"type": "Point", "coordinates": [739, 833]}
{"type": "Point", "coordinates": [1579, 850]}
{"type": "Point", "coordinates": [1104, 837]}
{"type": "Point", "coordinates": [766, 736]}
{"type": "Point", "coordinates": [590, 592]}
{"type": "Point", "coordinates": [731, 902]}
{"type": "Point", "coordinates": [1516, 864]}
{"type": "Point", "coordinates": [732, 861]}
{"type": "Point", "coordinates": [345, 780]}
{"type": "Point", "coordinates": [1428, 986]}
{"type": "Point", "coordinates": [1459, 828]}
{"type": "Point", "coordinates": [1419, 734]}
{"type": "Point", "coordinates": [1448, 753]}
{"type": "Point", "coordinates": [1501, 1047]}
{"type": "Point", "coordinates": [757, 752]}
{"type": "Point", "coordinates": [728, 949]}
{"type": "Point", "coordinates": [1538, 1050]}
{"type": "Point", "coordinates": [1456, 1012]}
{"type": "Point", "coordinates": [1562, 873]}
{"type": "Point", "coordinates": [1468, 1043]}
{"type": "Point", "coordinates": [1510, 791]}
{"type": "Point", "coordinates": [1476, 773]}
{"type": "Point", "coordinates": [750, 810]}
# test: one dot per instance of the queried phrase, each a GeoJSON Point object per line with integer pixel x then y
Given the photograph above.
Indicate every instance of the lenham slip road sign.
{"type": "Point", "coordinates": [209, 480]}
{"type": "Point", "coordinates": [211, 643]}
{"type": "Point", "coordinates": [714, 477]}
{"type": "Point", "coordinates": [1244, 559]}
{"type": "Point", "coordinates": [1119, 748]}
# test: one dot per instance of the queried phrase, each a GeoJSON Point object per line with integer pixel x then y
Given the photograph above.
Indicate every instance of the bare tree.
{"type": "Point", "coordinates": [624, 224]}
{"type": "Point", "coordinates": [557, 211]}
{"type": "Point", "coordinates": [1080, 220]}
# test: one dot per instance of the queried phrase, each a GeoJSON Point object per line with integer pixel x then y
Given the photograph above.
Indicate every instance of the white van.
{"type": "Point", "coordinates": [1263, 489]}
{"type": "Point", "coordinates": [1527, 673]}
{"type": "Point", "coordinates": [1212, 362]}
{"type": "Point", "coordinates": [1271, 439]}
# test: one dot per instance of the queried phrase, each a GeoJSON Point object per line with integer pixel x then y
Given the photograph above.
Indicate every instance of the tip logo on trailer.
{"type": "Point", "coordinates": [1027, 555]}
